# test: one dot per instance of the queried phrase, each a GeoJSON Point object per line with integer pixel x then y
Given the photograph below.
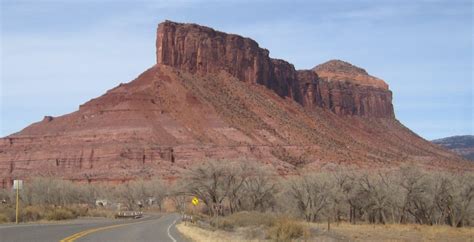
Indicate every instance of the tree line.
{"type": "Point", "coordinates": [404, 195]}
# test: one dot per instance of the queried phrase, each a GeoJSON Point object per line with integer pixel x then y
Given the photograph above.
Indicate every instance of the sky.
{"type": "Point", "coordinates": [56, 55]}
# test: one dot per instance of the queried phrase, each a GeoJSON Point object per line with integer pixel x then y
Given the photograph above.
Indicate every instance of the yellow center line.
{"type": "Point", "coordinates": [90, 231]}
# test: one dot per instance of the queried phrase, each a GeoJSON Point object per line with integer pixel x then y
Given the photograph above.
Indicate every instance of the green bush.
{"type": "Point", "coordinates": [60, 214]}
{"type": "Point", "coordinates": [285, 229]}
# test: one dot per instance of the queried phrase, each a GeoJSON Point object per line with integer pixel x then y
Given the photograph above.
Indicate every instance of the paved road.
{"type": "Point", "coordinates": [149, 228]}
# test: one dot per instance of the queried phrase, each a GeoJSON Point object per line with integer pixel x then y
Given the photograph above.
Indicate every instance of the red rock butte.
{"type": "Point", "coordinates": [214, 95]}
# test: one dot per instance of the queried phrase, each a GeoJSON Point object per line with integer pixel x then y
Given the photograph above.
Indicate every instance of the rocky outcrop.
{"type": "Point", "coordinates": [199, 49]}
{"type": "Point", "coordinates": [341, 87]}
{"type": "Point", "coordinates": [341, 71]}
{"type": "Point", "coordinates": [352, 99]}
{"type": "Point", "coordinates": [309, 89]}
{"type": "Point", "coordinates": [349, 90]}
{"type": "Point", "coordinates": [284, 80]}
{"type": "Point", "coordinates": [202, 50]}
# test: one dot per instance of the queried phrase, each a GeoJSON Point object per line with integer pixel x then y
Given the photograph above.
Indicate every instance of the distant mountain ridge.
{"type": "Point", "coordinates": [461, 144]}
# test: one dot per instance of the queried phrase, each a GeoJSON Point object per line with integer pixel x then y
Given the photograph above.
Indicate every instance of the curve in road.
{"type": "Point", "coordinates": [151, 228]}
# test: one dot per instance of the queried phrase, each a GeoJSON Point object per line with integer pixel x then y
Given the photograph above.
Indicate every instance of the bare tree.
{"type": "Point", "coordinates": [310, 194]}
{"type": "Point", "coordinates": [259, 189]}
{"type": "Point", "coordinates": [239, 185]}
{"type": "Point", "coordinates": [373, 194]}
{"type": "Point", "coordinates": [454, 198]}
{"type": "Point", "coordinates": [140, 193]}
{"type": "Point", "coordinates": [126, 195]}
{"type": "Point", "coordinates": [213, 182]}
{"type": "Point", "coordinates": [56, 192]}
{"type": "Point", "coordinates": [346, 194]}
{"type": "Point", "coordinates": [158, 191]}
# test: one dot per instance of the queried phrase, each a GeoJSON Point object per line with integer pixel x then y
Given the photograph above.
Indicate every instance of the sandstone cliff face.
{"type": "Point", "coordinates": [199, 49]}
{"type": "Point", "coordinates": [202, 50]}
{"type": "Point", "coordinates": [310, 92]}
{"type": "Point", "coordinates": [352, 99]}
{"type": "Point", "coordinates": [350, 90]}
{"type": "Point", "coordinates": [284, 80]}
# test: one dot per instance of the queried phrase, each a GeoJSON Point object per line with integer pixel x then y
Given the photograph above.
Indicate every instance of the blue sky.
{"type": "Point", "coordinates": [56, 55]}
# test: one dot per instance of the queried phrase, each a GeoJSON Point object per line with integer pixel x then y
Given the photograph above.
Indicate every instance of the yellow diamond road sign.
{"type": "Point", "coordinates": [195, 201]}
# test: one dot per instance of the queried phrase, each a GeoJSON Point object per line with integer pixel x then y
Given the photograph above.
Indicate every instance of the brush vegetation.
{"type": "Point", "coordinates": [54, 199]}
{"type": "Point", "coordinates": [243, 196]}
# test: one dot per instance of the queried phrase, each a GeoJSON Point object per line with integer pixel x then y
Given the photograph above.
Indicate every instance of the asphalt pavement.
{"type": "Point", "coordinates": [149, 228]}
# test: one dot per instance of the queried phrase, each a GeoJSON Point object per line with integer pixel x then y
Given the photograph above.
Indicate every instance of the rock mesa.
{"type": "Point", "coordinates": [336, 85]}
{"type": "Point", "coordinates": [213, 95]}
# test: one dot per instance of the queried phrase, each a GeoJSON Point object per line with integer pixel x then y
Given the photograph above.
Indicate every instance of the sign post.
{"type": "Point", "coordinates": [195, 202]}
{"type": "Point", "coordinates": [17, 185]}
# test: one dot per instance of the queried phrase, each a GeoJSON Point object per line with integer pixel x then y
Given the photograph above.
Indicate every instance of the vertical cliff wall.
{"type": "Point", "coordinates": [349, 90]}
{"type": "Point", "coordinates": [203, 50]}
{"type": "Point", "coordinates": [350, 99]}
{"type": "Point", "coordinates": [196, 48]}
{"type": "Point", "coordinates": [335, 85]}
{"type": "Point", "coordinates": [309, 89]}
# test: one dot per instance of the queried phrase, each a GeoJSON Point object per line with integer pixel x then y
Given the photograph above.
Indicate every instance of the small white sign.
{"type": "Point", "coordinates": [18, 184]}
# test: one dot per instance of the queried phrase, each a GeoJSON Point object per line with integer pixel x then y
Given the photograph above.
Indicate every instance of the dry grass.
{"type": "Point", "coordinates": [60, 214]}
{"type": "Point", "coordinates": [341, 232]}
{"type": "Point", "coordinates": [248, 226]}
{"type": "Point", "coordinates": [246, 219]}
{"type": "Point", "coordinates": [4, 219]}
{"type": "Point", "coordinates": [31, 213]}
{"type": "Point", "coordinates": [197, 234]}
{"type": "Point", "coordinates": [7, 214]}
{"type": "Point", "coordinates": [286, 229]}
{"type": "Point", "coordinates": [391, 232]}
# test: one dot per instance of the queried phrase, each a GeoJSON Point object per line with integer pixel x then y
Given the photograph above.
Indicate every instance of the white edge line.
{"type": "Point", "coordinates": [169, 227]}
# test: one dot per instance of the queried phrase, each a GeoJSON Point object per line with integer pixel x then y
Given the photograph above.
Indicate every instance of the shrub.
{"type": "Point", "coordinates": [78, 211]}
{"type": "Point", "coordinates": [3, 218]}
{"type": "Point", "coordinates": [32, 213]}
{"type": "Point", "coordinates": [246, 219]}
{"type": "Point", "coordinates": [60, 214]}
{"type": "Point", "coordinates": [100, 213]}
{"type": "Point", "coordinates": [285, 229]}
{"type": "Point", "coordinates": [9, 213]}
{"type": "Point", "coordinates": [222, 223]}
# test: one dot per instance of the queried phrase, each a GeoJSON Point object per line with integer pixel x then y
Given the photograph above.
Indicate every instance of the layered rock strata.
{"type": "Point", "coordinates": [343, 88]}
